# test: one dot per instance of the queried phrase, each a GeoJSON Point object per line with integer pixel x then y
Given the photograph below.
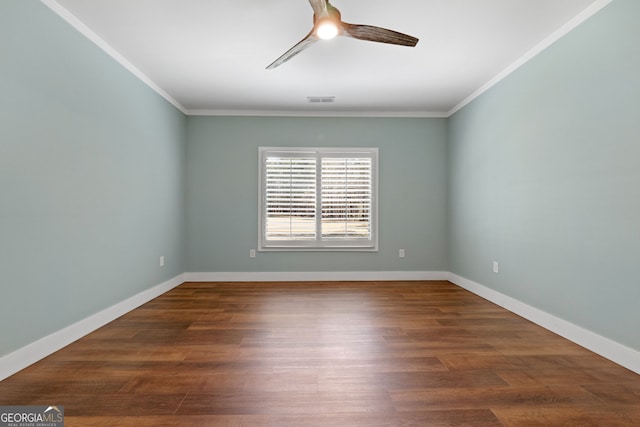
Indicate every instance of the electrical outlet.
{"type": "Point", "coordinates": [252, 253]}
{"type": "Point", "coordinates": [401, 253]}
{"type": "Point", "coordinates": [496, 267]}
{"type": "Point", "coordinates": [162, 261]}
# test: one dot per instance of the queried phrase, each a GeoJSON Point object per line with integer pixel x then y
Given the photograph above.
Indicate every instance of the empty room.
{"type": "Point", "coordinates": [313, 213]}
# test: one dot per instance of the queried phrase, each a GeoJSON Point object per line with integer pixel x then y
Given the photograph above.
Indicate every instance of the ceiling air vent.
{"type": "Point", "coordinates": [321, 99]}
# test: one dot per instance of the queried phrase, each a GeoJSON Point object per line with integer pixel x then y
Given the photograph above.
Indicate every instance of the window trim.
{"type": "Point", "coordinates": [319, 245]}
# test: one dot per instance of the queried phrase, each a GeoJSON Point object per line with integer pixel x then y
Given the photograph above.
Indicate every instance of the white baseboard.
{"type": "Point", "coordinates": [616, 352]}
{"type": "Point", "coordinates": [29, 354]}
{"type": "Point", "coordinates": [312, 276]}
{"type": "Point", "coordinates": [21, 358]}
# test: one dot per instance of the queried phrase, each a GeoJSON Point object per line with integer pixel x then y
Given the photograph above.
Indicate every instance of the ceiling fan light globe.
{"type": "Point", "coordinates": [327, 30]}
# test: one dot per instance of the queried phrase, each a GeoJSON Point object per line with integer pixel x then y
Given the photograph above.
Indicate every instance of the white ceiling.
{"type": "Point", "coordinates": [209, 56]}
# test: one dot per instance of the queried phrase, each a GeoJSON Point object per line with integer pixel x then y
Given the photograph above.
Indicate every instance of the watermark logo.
{"type": "Point", "coordinates": [31, 416]}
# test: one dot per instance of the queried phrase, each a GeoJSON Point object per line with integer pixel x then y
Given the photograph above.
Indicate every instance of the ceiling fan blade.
{"type": "Point", "coordinates": [302, 45]}
{"type": "Point", "coordinates": [319, 7]}
{"type": "Point", "coordinates": [377, 34]}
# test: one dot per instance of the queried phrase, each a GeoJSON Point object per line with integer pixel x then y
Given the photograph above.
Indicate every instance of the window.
{"type": "Point", "coordinates": [318, 198]}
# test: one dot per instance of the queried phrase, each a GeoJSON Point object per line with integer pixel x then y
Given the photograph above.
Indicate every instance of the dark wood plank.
{"type": "Point", "coordinates": [327, 354]}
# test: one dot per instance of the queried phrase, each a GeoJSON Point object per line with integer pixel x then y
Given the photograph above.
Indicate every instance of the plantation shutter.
{"type": "Point", "coordinates": [319, 199]}
{"type": "Point", "coordinates": [290, 198]}
{"type": "Point", "coordinates": [346, 198]}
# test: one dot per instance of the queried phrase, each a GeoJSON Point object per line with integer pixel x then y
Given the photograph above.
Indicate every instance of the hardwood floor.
{"type": "Point", "coordinates": [327, 354]}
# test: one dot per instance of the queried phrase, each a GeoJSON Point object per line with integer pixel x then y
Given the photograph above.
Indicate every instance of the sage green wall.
{"type": "Point", "coordinates": [222, 190]}
{"type": "Point", "coordinates": [541, 173]}
{"type": "Point", "coordinates": [92, 168]}
{"type": "Point", "coordinates": [545, 179]}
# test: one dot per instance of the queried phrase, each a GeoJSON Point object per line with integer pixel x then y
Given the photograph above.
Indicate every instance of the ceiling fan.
{"type": "Point", "coordinates": [327, 24]}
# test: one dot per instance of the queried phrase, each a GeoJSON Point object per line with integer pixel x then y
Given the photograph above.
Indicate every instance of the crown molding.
{"type": "Point", "coordinates": [109, 50]}
{"type": "Point", "coordinates": [326, 113]}
{"type": "Point", "coordinates": [548, 41]}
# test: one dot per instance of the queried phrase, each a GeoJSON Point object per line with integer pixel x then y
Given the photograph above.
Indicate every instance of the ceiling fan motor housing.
{"type": "Point", "coordinates": [327, 24]}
